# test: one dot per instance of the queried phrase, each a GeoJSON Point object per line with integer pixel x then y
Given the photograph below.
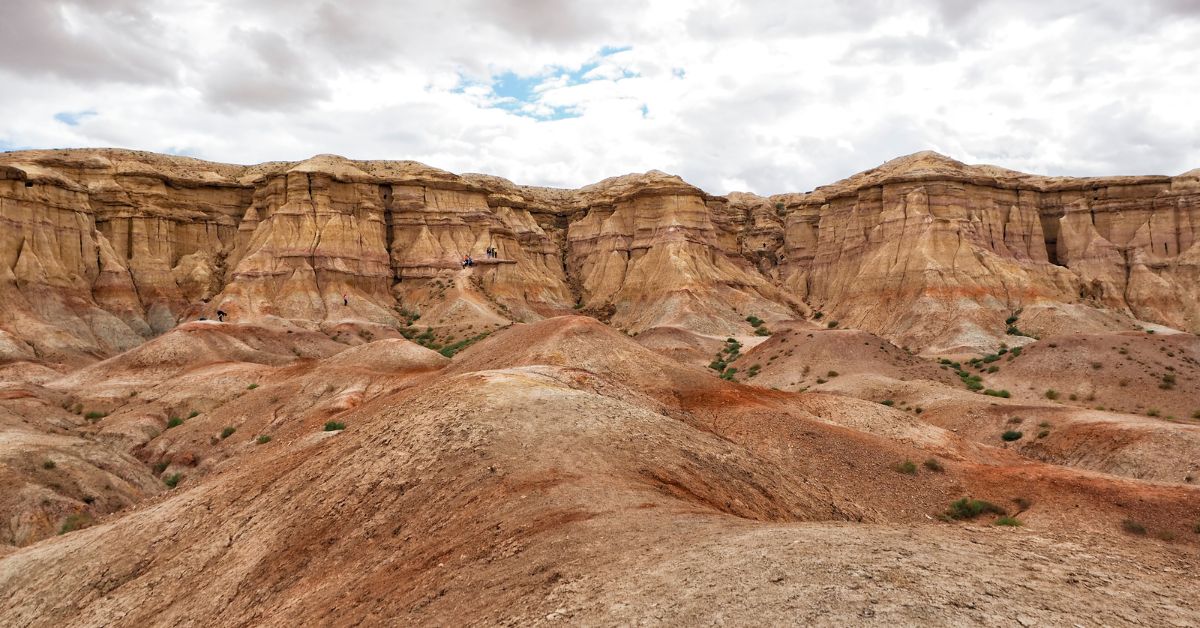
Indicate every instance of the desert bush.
{"type": "Point", "coordinates": [888, 402]}
{"type": "Point", "coordinates": [997, 393]}
{"type": "Point", "coordinates": [831, 324]}
{"type": "Point", "coordinates": [227, 432]}
{"type": "Point", "coordinates": [74, 522]}
{"type": "Point", "coordinates": [754, 321]}
{"type": "Point", "coordinates": [173, 479]}
{"type": "Point", "coordinates": [94, 415]}
{"type": "Point", "coordinates": [1133, 527]}
{"type": "Point", "coordinates": [49, 464]}
{"type": "Point", "coordinates": [967, 508]}
{"type": "Point", "coordinates": [174, 422]}
{"type": "Point", "coordinates": [832, 374]}
{"type": "Point", "coordinates": [1052, 394]}
{"type": "Point", "coordinates": [252, 387]}
{"type": "Point", "coordinates": [160, 466]}
{"type": "Point", "coordinates": [933, 464]}
{"type": "Point", "coordinates": [263, 439]}
{"type": "Point", "coordinates": [193, 414]}
{"type": "Point", "coordinates": [1152, 412]}
{"type": "Point", "coordinates": [1011, 435]}
{"type": "Point", "coordinates": [1043, 433]}
{"type": "Point", "coordinates": [334, 426]}
{"type": "Point", "coordinates": [1009, 521]}
{"type": "Point", "coordinates": [1016, 420]}
{"type": "Point", "coordinates": [818, 315]}
{"type": "Point", "coordinates": [762, 331]}
{"type": "Point", "coordinates": [908, 467]}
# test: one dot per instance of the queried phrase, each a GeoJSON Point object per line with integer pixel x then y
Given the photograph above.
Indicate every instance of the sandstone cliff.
{"type": "Point", "coordinates": [115, 247]}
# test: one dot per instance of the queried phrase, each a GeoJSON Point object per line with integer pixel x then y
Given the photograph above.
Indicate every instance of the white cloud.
{"type": "Point", "coordinates": [761, 95]}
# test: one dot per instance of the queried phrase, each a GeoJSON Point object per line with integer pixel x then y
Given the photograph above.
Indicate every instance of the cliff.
{"type": "Point", "coordinates": [104, 249]}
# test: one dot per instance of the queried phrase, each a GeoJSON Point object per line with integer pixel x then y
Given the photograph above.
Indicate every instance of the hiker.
{"type": "Point", "coordinates": [220, 316]}
{"type": "Point", "coordinates": [345, 300]}
{"type": "Point", "coordinates": [470, 262]}
{"type": "Point", "coordinates": [466, 261]}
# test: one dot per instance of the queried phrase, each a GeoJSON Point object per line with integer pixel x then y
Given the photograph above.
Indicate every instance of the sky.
{"type": "Point", "coordinates": [766, 97]}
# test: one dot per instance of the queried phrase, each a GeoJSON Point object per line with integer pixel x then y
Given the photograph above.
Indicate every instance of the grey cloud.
{"type": "Point", "coordinates": [890, 50]}
{"type": "Point", "coordinates": [263, 71]}
{"type": "Point", "coordinates": [87, 42]}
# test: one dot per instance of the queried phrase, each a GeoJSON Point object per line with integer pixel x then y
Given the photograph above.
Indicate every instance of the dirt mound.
{"type": "Point", "coordinates": [393, 355]}
{"type": "Point", "coordinates": [796, 359]}
{"type": "Point", "coordinates": [1149, 374]}
{"type": "Point", "coordinates": [681, 345]}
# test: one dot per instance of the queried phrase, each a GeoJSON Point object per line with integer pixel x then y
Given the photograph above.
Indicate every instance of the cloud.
{"type": "Point", "coordinates": [761, 95]}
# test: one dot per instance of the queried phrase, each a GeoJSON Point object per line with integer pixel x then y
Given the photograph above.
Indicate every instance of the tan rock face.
{"type": "Point", "coordinates": [103, 249]}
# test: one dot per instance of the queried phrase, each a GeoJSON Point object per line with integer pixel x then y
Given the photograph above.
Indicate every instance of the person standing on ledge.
{"type": "Point", "coordinates": [220, 316]}
{"type": "Point", "coordinates": [345, 299]}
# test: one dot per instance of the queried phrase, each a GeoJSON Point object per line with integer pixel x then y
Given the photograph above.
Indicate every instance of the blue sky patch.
{"type": "Point", "coordinates": [73, 118]}
{"type": "Point", "coordinates": [521, 95]}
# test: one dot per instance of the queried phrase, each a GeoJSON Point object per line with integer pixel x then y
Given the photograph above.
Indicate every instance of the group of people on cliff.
{"type": "Point", "coordinates": [469, 261]}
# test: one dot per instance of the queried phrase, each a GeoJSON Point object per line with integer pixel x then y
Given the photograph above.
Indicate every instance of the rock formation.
{"type": "Point", "coordinates": [104, 249]}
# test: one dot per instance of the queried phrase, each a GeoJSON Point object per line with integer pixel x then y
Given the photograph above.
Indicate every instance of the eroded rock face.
{"type": "Point", "coordinates": [103, 249]}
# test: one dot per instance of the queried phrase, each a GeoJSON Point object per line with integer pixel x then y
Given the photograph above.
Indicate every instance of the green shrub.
{"type": "Point", "coordinates": [252, 387]}
{"type": "Point", "coordinates": [888, 402]}
{"type": "Point", "coordinates": [49, 464]}
{"type": "Point", "coordinates": [754, 321]}
{"type": "Point", "coordinates": [263, 439]}
{"type": "Point", "coordinates": [334, 426]}
{"type": "Point", "coordinates": [1011, 435]}
{"type": "Point", "coordinates": [1010, 320]}
{"type": "Point", "coordinates": [967, 508]}
{"type": "Point", "coordinates": [1043, 433]}
{"type": "Point", "coordinates": [95, 416]}
{"type": "Point", "coordinates": [933, 464]}
{"type": "Point", "coordinates": [818, 315]}
{"type": "Point", "coordinates": [997, 393]}
{"type": "Point", "coordinates": [908, 467]}
{"type": "Point", "coordinates": [1009, 521]}
{"type": "Point", "coordinates": [1133, 527]}
{"type": "Point", "coordinates": [174, 422]}
{"type": "Point", "coordinates": [1152, 412]}
{"type": "Point", "coordinates": [227, 432]}
{"type": "Point", "coordinates": [193, 414]}
{"type": "Point", "coordinates": [831, 374]}
{"type": "Point", "coordinates": [1052, 394]}
{"type": "Point", "coordinates": [74, 522]}
{"type": "Point", "coordinates": [1016, 351]}
{"type": "Point", "coordinates": [173, 479]}
{"type": "Point", "coordinates": [160, 466]}
{"type": "Point", "coordinates": [831, 324]}
{"type": "Point", "coordinates": [762, 331]}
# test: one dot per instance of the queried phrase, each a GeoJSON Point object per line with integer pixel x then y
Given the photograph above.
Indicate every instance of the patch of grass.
{"type": "Point", "coordinates": [1011, 435]}
{"type": "Point", "coordinates": [48, 465]}
{"type": "Point", "coordinates": [160, 466]}
{"type": "Point", "coordinates": [262, 439]}
{"type": "Point", "coordinates": [1133, 527]}
{"type": "Point", "coordinates": [252, 387]}
{"type": "Point", "coordinates": [818, 315]}
{"type": "Point", "coordinates": [174, 422]}
{"type": "Point", "coordinates": [193, 414]}
{"type": "Point", "coordinates": [997, 393]}
{"type": "Point", "coordinates": [933, 464]}
{"type": "Point", "coordinates": [967, 508]}
{"type": "Point", "coordinates": [1096, 366]}
{"type": "Point", "coordinates": [831, 324]}
{"type": "Point", "coordinates": [1009, 521]}
{"type": "Point", "coordinates": [1043, 434]}
{"type": "Point", "coordinates": [908, 467]}
{"type": "Point", "coordinates": [227, 432]}
{"type": "Point", "coordinates": [334, 426]}
{"type": "Point", "coordinates": [173, 480]}
{"type": "Point", "coordinates": [1152, 412]}
{"type": "Point", "coordinates": [95, 416]}
{"type": "Point", "coordinates": [1051, 394]}
{"type": "Point", "coordinates": [451, 349]}
{"type": "Point", "coordinates": [888, 402]}
{"type": "Point", "coordinates": [77, 521]}
{"type": "Point", "coordinates": [754, 321]}
{"type": "Point", "coordinates": [831, 374]}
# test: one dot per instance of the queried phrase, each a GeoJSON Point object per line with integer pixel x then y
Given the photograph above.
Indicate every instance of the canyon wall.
{"type": "Point", "coordinates": [104, 249]}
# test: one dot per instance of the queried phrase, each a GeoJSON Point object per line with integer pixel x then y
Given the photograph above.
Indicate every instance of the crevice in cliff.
{"type": "Point", "coordinates": [312, 256]}
{"type": "Point", "coordinates": [1051, 220]}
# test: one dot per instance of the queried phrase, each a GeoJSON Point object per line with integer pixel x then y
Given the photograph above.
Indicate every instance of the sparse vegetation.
{"type": "Point", "coordinates": [831, 324]}
{"type": "Point", "coordinates": [77, 521]}
{"type": "Point", "coordinates": [94, 415]}
{"type": "Point", "coordinates": [263, 439]}
{"type": "Point", "coordinates": [1152, 412]}
{"type": "Point", "coordinates": [933, 464]}
{"type": "Point", "coordinates": [1043, 434]}
{"type": "Point", "coordinates": [227, 432]}
{"type": "Point", "coordinates": [48, 465]}
{"type": "Point", "coordinates": [908, 467]}
{"type": "Point", "coordinates": [1052, 394]}
{"type": "Point", "coordinates": [174, 422]}
{"type": "Point", "coordinates": [831, 374]}
{"type": "Point", "coordinates": [1131, 526]}
{"type": "Point", "coordinates": [252, 387]}
{"type": "Point", "coordinates": [997, 393]}
{"type": "Point", "coordinates": [967, 508]}
{"type": "Point", "coordinates": [173, 479]}
{"type": "Point", "coordinates": [334, 426]}
{"type": "Point", "coordinates": [193, 414]}
{"type": "Point", "coordinates": [1011, 435]}
{"type": "Point", "coordinates": [1009, 521]}
{"type": "Point", "coordinates": [451, 349]}
{"type": "Point", "coordinates": [888, 402]}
